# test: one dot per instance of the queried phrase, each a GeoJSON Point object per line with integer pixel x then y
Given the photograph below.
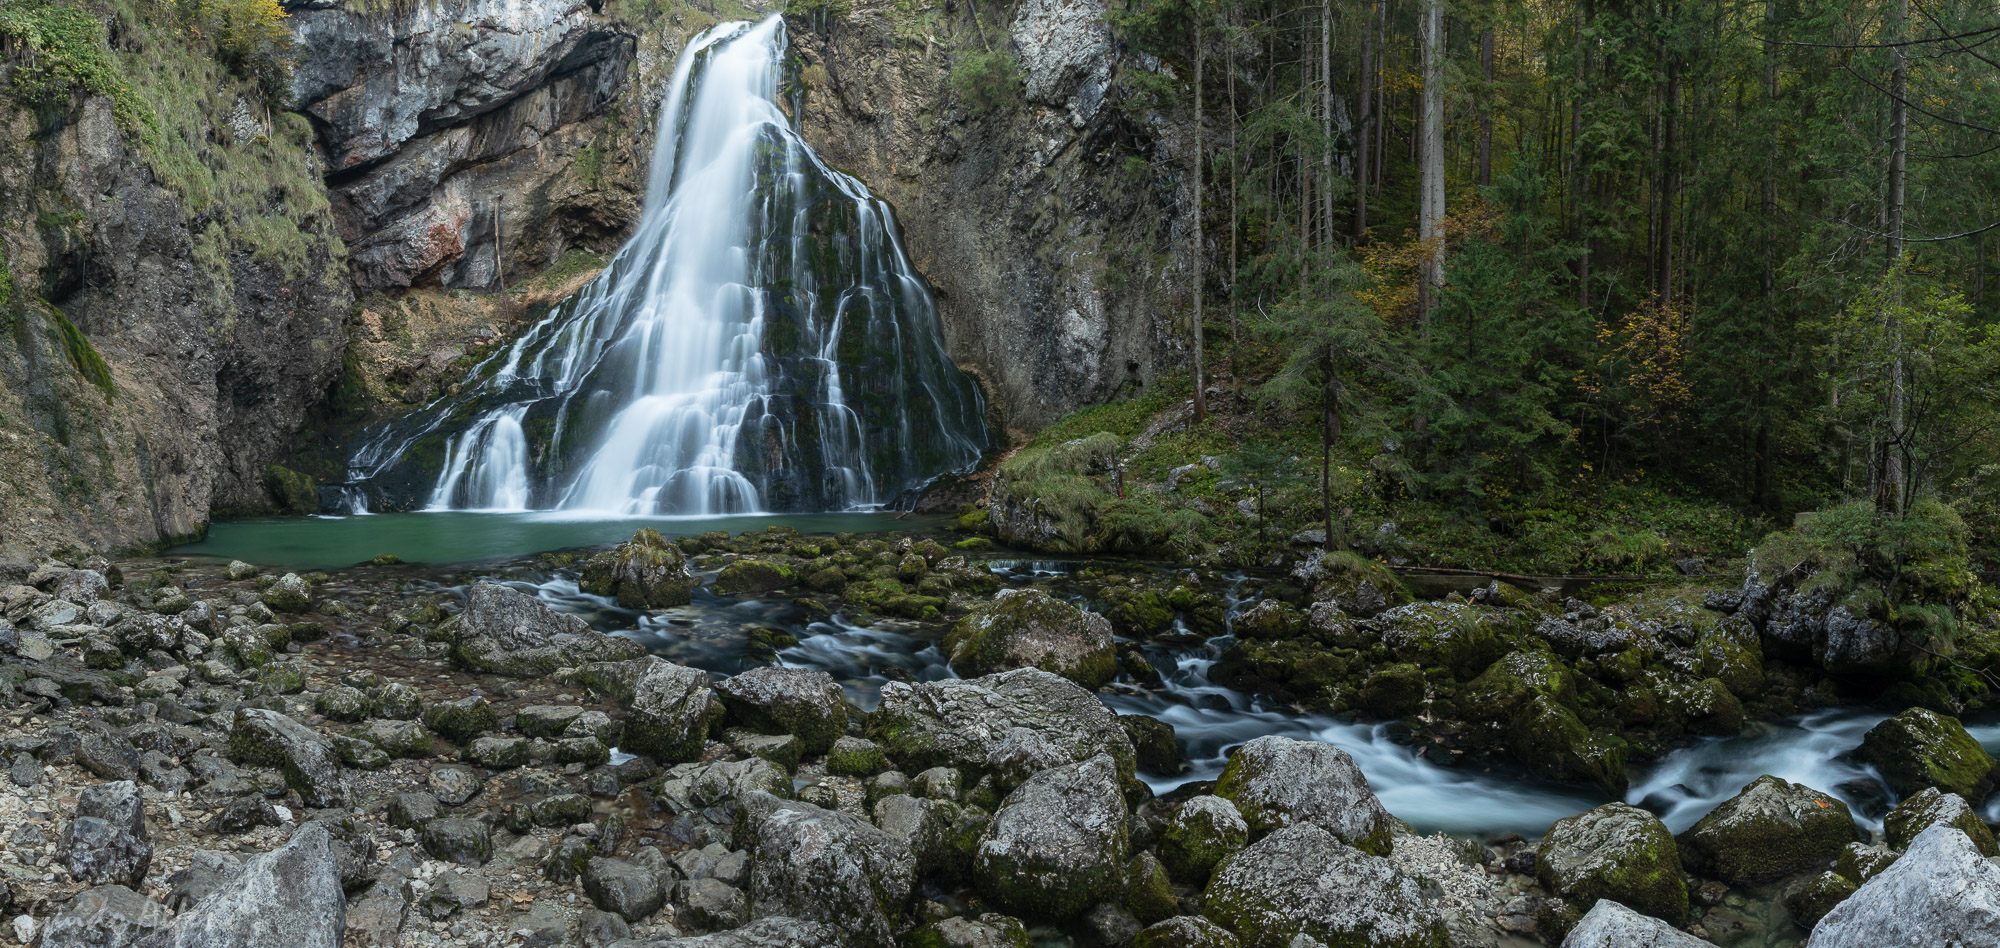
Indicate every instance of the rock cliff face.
{"type": "Point", "coordinates": [1052, 228]}
{"type": "Point", "coordinates": [173, 298]}
{"type": "Point", "coordinates": [451, 129]}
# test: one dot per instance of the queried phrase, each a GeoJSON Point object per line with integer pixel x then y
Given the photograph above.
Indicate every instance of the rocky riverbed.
{"type": "Point", "coordinates": [206, 753]}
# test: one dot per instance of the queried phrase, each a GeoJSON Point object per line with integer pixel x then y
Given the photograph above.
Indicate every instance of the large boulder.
{"type": "Point", "coordinates": [1611, 925]}
{"type": "Point", "coordinates": [669, 711]}
{"type": "Point", "coordinates": [1928, 808]}
{"type": "Point", "coordinates": [504, 631]}
{"type": "Point", "coordinates": [1058, 843]}
{"type": "Point", "coordinates": [1773, 828]}
{"type": "Point", "coordinates": [827, 866]}
{"type": "Point", "coordinates": [1942, 892]}
{"type": "Point", "coordinates": [264, 738]}
{"type": "Point", "coordinates": [1922, 748]}
{"type": "Point", "coordinates": [1302, 880]}
{"type": "Point", "coordinates": [107, 841]}
{"type": "Point", "coordinates": [108, 916]}
{"type": "Point", "coordinates": [1186, 931]}
{"type": "Point", "coordinates": [1278, 782]}
{"type": "Point", "coordinates": [645, 572]}
{"type": "Point", "coordinates": [290, 896]}
{"type": "Point", "coordinates": [1011, 725]}
{"type": "Point", "coordinates": [775, 932]}
{"type": "Point", "coordinates": [800, 701]}
{"type": "Point", "coordinates": [1616, 852]}
{"type": "Point", "coordinates": [1028, 628]}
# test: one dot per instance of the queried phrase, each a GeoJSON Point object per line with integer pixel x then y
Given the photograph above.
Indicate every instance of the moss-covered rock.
{"type": "Point", "coordinates": [1058, 843]}
{"type": "Point", "coordinates": [1553, 742]}
{"type": "Point", "coordinates": [856, 757]}
{"type": "Point", "coordinates": [1394, 691]}
{"type": "Point", "coordinates": [1929, 807]}
{"type": "Point", "coordinates": [1142, 614]}
{"type": "Point", "coordinates": [1158, 750]}
{"type": "Point", "coordinates": [1921, 748]}
{"type": "Point", "coordinates": [289, 594]}
{"type": "Point", "coordinates": [1773, 828]}
{"type": "Point", "coordinates": [462, 720]}
{"type": "Point", "coordinates": [989, 930]}
{"type": "Point", "coordinates": [1301, 880]}
{"type": "Point", "coordinates": [645, 572]}
{"type": "Point", "coordinates": [1007, 726]}
{"type": "Point", "coordinates": [1149, 894]}
{"type": "Point", "coordinates": [1202, 832]}
{"type": "Point", "coordinates": [1449, 635]}
{"type": "Point", "coordinates": [1269, 620]}
{"type": "Point", "coordinates": [800, 701]}
{"type": "Point", "coordinates": [751, 577]}
{"type": "Point", "coordinates": [1616, 852]}
{"type": "Point", "coordinates": [1185, 931]}
{"type": "Point", "coordinates": [1028, 628]}
{"type": "Point", "coordinates": [342, 703]}
{"type": "Point", "coordinates": [1701, 707]}
{"type": "Point", "coordinates": [1277, 782]}
{"type": "Point", "coordinates": [1810, 901]}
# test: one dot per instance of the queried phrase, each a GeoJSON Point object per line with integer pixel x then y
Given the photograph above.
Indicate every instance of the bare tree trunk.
{"type": "Point", "coordinates": [1200, 245]}
{"type": "Point", "coordinates": [1326, 121]}
{"type": "Point", "coordinates": [1381, 92]}
{"type": "Point", "coordinates": [1893, 474]}
{"type": "Point", "coordinates": [1579, 165]}
{"type": "Point", "coordinates": [1364, 108]}
{"type": "Point", "coordinates": [1235, 188]}
{"type": "Point", "coordinates": [1486, 109]}
{"type": "Point", "coordinates": [1663, 280]}
{"type": "Point", "coordinates": [1430, 213]}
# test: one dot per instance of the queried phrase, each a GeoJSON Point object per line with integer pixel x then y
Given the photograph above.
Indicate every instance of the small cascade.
{"type": "Point", "coordinates": [761, 343]}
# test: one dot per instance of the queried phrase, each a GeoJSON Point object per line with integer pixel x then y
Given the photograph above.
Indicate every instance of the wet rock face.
{"type": "Point", "coordinates": [1011, 726]}
{"type": "Point", "coordinates": [1941, 887]}
{"type": "Point", "coordinates": [645, 572]}
{"type": "Point", "coordinates": [1048, 330]}
{"type": "Point", "coordinates": [423, 109]}
{"type": "Point", "coordinates": [1773, 828]}
{"type": "Point", "coordinates": [1278, 782]}
{"type": "Point", "coordinates": [1028, 628]}
{"type": "Point", "coordinates": [1302, 881]}
{"type": "Point", "coordinates": [1921, 748]}
{"type": "Point", "coordinates": [828, 866]}
{"type": "Point", "coordinates": [1058, 843]}
{"type": "Point", "coordinates": [1616, 852]}
{"type": "Point", "coordinates": [1611, 925]}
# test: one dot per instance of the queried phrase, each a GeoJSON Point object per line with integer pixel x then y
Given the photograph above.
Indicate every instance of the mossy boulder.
{"type": "Point", "coordinates": [1510, 684]}
{"type": "Point", "coordinates": [989, 930]}
{"type": "Point", "coordinates": [1028, 628]}
{"type": "Point", "coordinates": [1142, 614]}
{"type": "Point", "coordinates": [1929, 807]}
{"type": "Point", "coordinates": [1153, 740]}
{"type": "Point", "coordinates": [752, 577]}
{"type": "Point", "coordinates": [1185, 931]}
{"type": "Point", "coordinates": [462, 720]}
{"type": "Point", "coordinates": [1616, 852]}
{"type": "Point", "coordinates": [1810, 901]}
{"type": "Point", "coordinates": [289, 594]}
{"type": "Point", "coordinates": [398, 738]}
{"type": "Point", "coordinates": [1450, 635]}
{"type": "Point", "coordinates": [856, 757]}
{"type": "Point", "coordinates": [669, 711]}
{"type": "Point", "coordinates": [1394, 691]}
{"type": "Point", "coordinates": [1007, 726]}
{"type": "Point", "coordinates": [1269, 620]}
{"type": "Point", "coordinates": [1059, 842]}
{"type": "Point", "coordinates": [342, 703]}
{"type": "Point", "coordinates": [1701, 707]}
{"type": "Point", "coordinates": [1202, 832]}
{"type": "Point", "coordinates": [1921, 748]}
{"type": "Point", "coordinates": [1301, 880]}
{"type": "Point", "coordinates": [308, 761]}
{"type": "Point", "coordinates": [1277, 782]}
{"type": "Point", "coordinates": [1773, 828]}
{"type": "Point", "coordinates": [645, 572]}
{"type": "Point", "coordinates": [504, 631]}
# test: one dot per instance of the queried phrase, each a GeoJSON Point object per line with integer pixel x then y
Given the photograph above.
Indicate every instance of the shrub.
{"type": "Point", "coordinates": [988, 81]}
{"type": "Point", "coordinates": [63, 53]}
{"type": "Point", "coordinates": [250, 38]}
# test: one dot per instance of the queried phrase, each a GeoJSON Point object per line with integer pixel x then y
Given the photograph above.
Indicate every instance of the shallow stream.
{"type": "Point", "coordinates": [1420, 784]}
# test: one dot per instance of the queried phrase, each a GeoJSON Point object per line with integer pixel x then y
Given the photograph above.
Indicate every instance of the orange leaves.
{"type": "Point", "coordinates": [1392, 267]}
{"type": "Point", "coordinates": [1642, 360]}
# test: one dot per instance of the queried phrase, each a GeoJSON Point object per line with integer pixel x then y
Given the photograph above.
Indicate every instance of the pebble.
{"type": "Point", "coordinates": [24, 929]}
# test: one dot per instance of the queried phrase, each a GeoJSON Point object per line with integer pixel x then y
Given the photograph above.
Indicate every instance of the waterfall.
{"type": "Point", "coordinates": [761, 343]}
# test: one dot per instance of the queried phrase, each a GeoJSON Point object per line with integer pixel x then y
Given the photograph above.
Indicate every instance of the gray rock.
{"type": "Point", "coordinates": [1927, 808]}
{"type": "Point", "coordinates": [827, 866]}
{"type": "Point", "coordinates": [108, 916]}
{"type": "Point", "coordinates": [669, 711]}
{"type": "Point", "coordinates": [290, 896]}
{"type": "Point", "coordinates": [243, 814]}
{"type": "Point", "coordinates": [599, 928]}
{"type": "Point", "coordinates": [645, 572]}
{"type": "Point", "coordinates": [376, 919]}
{"type": "Point", "coordinates": [505, 631]}
{"type": "Point", "coordinates": [454, 892]}
{"type": "Point", "coordinates": [713, 904]}
{"type": "Point", "coordinates": [990, 930]}
{"type": "Point", "coordinates": [804, 702]}
{"type": "Point", "coordinates": [238, 570]}
{"type": "Point", "coordinates": [412, 810]}
{"type": "Point", "coordinates": [774, 932]}
{"type": "Point", "coordinates": [1202, 832]}
{"type": "Point", "coordinates": [268, 739]}
{"type": "Point", "coordinates": [109, 756]}
{"type": "Point", "coordinates": [632, 892]}
{"type": "Point", "coordinates": [107, 841]}
{"type": "Point", "coordinates": [82, 586]}
{"type": "Point", "coordinates": [1011, 725]}
{"type": "Point", "coordinates": [289, 594]}
{"type": "Point", "coordinates": [1611, 925]}
{"type": "Point", "coordinates": [1185, 931]}
{"type": "Point", "coordinates": [454, 785]}
{"type": "Point", "coordinates": [463, 841]}
{"type": "Point", "coordinates": [207, 873]}
{"type": "Point", "coordinates": [925, 826]}
{"type": "Point", "coordinates": [1302, 880]}
{"type": "Point", "coordinates": [1941, 892]}
{"type": "Point", "coordinates": [1058, 843]}
{"type": "Point", "coordinates": [546, 720]}
{"type": "Point", "coordinates": [1277, 782]}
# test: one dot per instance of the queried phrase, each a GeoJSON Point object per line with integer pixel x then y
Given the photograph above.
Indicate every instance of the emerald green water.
{"type": "Point", "coordinates": [444, 538]}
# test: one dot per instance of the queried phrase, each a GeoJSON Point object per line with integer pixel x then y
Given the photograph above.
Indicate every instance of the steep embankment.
{"type": "Point", "coordinates": [170, 281]}
{"type": "Point", "coordinates": [1048, 207]}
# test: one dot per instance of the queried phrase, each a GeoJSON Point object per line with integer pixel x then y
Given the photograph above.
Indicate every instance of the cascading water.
{"type": "Point", "coordinates": [761, 343]}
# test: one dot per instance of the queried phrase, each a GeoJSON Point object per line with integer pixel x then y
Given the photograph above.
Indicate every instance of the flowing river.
{"type": "Point", "coordinates": [1209, 719]}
